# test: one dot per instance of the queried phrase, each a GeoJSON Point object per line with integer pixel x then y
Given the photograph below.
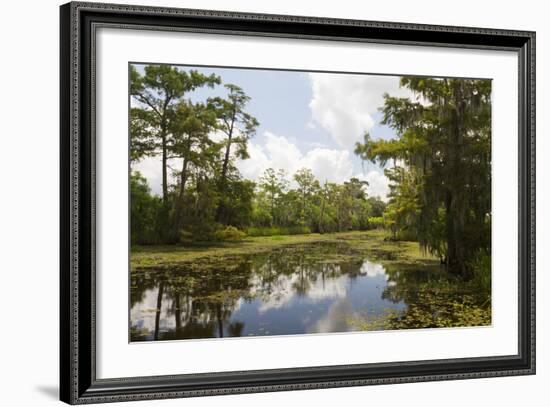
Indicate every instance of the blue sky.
{"type": "Point", "coordinates": [307, 120]}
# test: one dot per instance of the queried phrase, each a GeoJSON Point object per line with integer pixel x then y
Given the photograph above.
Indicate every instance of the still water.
{"type": "Point", "coordinates": [291, 290]}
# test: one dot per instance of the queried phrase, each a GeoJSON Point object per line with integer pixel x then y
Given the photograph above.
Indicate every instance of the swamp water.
{"type": "Point", "coordinates": [296, 289]}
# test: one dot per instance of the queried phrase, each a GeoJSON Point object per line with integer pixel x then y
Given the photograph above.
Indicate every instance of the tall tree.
{"type": "Point", "coordinates": [237, 126]}
{"type": "Point", "coordinates": [324, 197]}
{"type": "Point", "coordinates": [359, 210]}
{"type": "Point", "coordinates": [444, 144]}
{"type": "Point", "coordinates": [307, 186]}
{"type": "Point", "coordinates": [274, 184]}
{"type": "Point", "coordinates": [190, 126]}
{"type": "Point", "coordinates": [155, 92]}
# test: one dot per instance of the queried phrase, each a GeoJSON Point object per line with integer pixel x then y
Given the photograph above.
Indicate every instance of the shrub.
{"type": "Point", "coordinates": [481, 273]}
{"type": "Point", "coordinates": [229, 234]}
{"type": "Point", "coordinates": [197, 233]}
{"type": "Point", "coordinates": [375, 222]}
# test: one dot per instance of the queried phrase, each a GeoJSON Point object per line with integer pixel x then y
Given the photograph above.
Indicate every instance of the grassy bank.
{"type": "Point", "coordinates": [369, 243]}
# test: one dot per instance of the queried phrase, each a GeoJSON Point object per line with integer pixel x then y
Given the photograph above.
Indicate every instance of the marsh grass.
{"type": "Point", "coordinates": [360, 243]}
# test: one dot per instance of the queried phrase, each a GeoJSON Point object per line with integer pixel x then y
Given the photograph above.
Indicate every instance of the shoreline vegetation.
{"type": "Point", "coordinates": [373, 244]}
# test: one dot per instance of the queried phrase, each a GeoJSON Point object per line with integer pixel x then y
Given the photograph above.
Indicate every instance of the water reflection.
{"type": "Point", "coordinates": [294, 290]}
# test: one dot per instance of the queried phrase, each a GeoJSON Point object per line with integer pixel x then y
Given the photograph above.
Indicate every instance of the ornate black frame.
{"type": "Point", "coordinates": [78, 382]}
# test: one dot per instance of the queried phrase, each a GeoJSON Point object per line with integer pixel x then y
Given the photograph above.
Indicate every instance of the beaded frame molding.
{"type": "Point", "coordinates": [78, 382]}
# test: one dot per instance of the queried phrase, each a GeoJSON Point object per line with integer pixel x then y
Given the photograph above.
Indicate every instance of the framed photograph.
{"type": "Point", "coordinates": [255, 203]}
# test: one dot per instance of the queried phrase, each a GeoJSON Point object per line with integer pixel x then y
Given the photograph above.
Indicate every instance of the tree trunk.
{"type": "Point", "coordinates": [303, 214]}
{"type": "Point", "coordinates": [225, 166]}
{"type": "Point", "coordinates": [456, 262]}
{"type": "Point", "coordinates": [164, 165]}
{"type": "Point", "coordinates": [454, 203]}
{"type": "Point", "coordinates": [183, 177]}
{"type": "Point", "coordinates": [272, 209]}
{"type": "Point", "coordinates": [178, 208]}
{"type": "Point", "coordinates": [322, 214]}
{"type": "Point", "coordinates": [220, 212]}
{"type": "Point", "coordinates": [226, 158]}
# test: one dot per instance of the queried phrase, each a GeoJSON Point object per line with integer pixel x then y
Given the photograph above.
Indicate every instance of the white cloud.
{"type": "Point", "coordinates": [219, 135]}
{"type": "Point", "coordinates": [283, 153]}
{"type": "Point", "coordinates": [151, 169]}
{"type": "Point", "coordinates": [328, 165]}
{"type": "Point", "coordinates": [278, 152]}
{"type": "Point", "coordinates": [254, 166]}
{"type": "Point", "coordinates": [344, 104]}
{"type": "Point", "coordinates": [378, 183]}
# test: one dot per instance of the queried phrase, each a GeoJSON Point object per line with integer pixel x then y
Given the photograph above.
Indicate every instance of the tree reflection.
{"type": "Point", "coordinates": [202, 299]}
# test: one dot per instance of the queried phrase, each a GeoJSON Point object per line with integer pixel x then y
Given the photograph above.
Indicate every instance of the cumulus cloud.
{"type": "Point", "coordinates": [278, 152]}
{"type": "Point", "coordinates": [344, 105]}
{"type": "Point", "coordinates": [327, 164]}
{"type": "Point", "coordinates": [378, 184]}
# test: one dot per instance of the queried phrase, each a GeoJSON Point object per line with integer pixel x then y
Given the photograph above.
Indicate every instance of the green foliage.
{"type": "Point", "coordinates": [238, 127]}
{"type": "Point", "coordinates": [403, 211]}
{"type": "Point", "coordinates": [307, 187]}
{"type": "Point", "coordinates": [156, 94]}
{"type": "Point", "coordinates": [376, 222]}
{"type": "Point", "coordinates": [441, 175]}
{"type": "Point", "coordinates": [278, 230]}
{"type": "Point", "coordinates": [144, 208]}
{"type": "Point", "coordinates": [273, 185]}
{"type": "Point", "coordinates": [481, 266]}
{"type": "Point", "coordinates": [237, 202]}
{"type": "Point", "coordinates": [322, 209]}
{"type": "Point", "coordinates": [211, 233]}
{"type": "Point", "coordinates": [229, 234]}
{"type": "Point", "coordinates": [377, 206]}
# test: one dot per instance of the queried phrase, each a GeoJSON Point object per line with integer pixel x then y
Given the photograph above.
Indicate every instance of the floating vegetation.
{"type": "Point", "coordinates": [300, 284]}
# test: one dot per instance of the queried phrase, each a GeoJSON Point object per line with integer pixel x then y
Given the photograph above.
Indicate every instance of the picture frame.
{"type": "Point", "coordinates": [79, 382]}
